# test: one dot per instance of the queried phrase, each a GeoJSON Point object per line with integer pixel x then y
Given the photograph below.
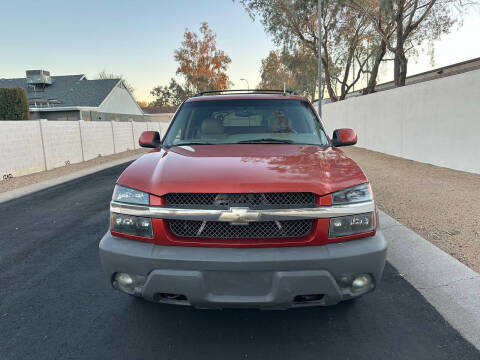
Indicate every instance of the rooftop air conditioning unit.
{"type": "Point", "coordinates": [38, 77]}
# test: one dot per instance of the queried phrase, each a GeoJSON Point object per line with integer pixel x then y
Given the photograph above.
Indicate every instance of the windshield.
{"type": "Point", "coordinates": [245, 122]}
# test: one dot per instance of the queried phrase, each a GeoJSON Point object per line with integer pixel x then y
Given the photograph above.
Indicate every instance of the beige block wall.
{"type": "Point", "coordinates": [27, 147]}
{"type": "Point", "coordinates": [21, 150]}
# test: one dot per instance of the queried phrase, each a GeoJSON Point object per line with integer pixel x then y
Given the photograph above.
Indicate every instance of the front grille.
{"type": "Point", "coordinates": [251, 200]}
{"type": "Point", "coordinates": [224, 230]}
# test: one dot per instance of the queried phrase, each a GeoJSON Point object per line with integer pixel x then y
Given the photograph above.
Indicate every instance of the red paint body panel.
{"type": "Point", "coordinates": [149, 139]}
{"type": "Point", "coordinates": [243, 168]}
{"type": "Point", "coordinates": [347, 136]}
{"type": "Point", "coordinates": [146, 138]}
{"type": "Point", "coordinates": [157, 200]}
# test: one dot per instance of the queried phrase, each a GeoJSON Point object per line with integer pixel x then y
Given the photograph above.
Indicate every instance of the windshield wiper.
{"type": "Point", "coordinates": [266, 141]}
{"type": "Point", "coordinates": [192, 143]}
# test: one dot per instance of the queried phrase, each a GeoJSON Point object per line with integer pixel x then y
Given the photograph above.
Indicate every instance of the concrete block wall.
{"type": "Point", "coordinates": [21, 149]}
{"type": "Point", "coordinates": [138, 128]}
{"type": "Point", "coordinates": [97, 139]}
{"type": "Point", "coordinates": [435, 122]}
{"type": "Point", "coordinates": [62, 143]}
{"type": "Point", "coordinates": [27, 147]}
{"type": "Point", "coordinates": [163, 128]}
{"type": "Point", "coordinates": [161, 117]}
{"type": "Point", "coordinates": [154, 126]}
{"type": "Point", "coordinates": [122, 136]}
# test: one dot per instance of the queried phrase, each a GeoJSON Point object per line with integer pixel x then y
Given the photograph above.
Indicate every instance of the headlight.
{"type": "Point", "coordinates": [133, 225]}
{"type": "Point", "coordinates": [128, 224]}
{"type": "Point", "coordinates": [356, 194]}
{"type": "Point", "coordinates": [351, 224]}
{"type": "Point", "coordinates": [131, 196]}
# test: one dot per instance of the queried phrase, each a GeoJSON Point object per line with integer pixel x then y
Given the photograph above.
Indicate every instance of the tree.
{"type": "Point", "coordinates": [172, 95]}
{"type": "Point", "coordinates": [142, 104]}
{"type": "Point", "coordinates": [290, 69]}
{"type": "Point", "coordinates": [274, 74]}
{"type": "Point", "coordinates": [304, 67]}
{"type": "Point", "coordinates": [404, 24]}
{"type": "Point", "coordinates": [13, 104]}
{"type": "Point", "coordinates": [347, 35]}
{"type": "Point", "coordinates": [201, 64]}
{"type": "Point", "coordinates": [377, 49]}
{"type": "Point", "coordinates": [162, 96]}
{"type": "Point", "coordinates": [105, 75]}
{"type": "Point", "coordinates": [346, 32]}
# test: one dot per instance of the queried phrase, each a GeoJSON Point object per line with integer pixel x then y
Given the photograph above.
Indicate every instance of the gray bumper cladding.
{"type": "Point", "coordinates": [267, 278]}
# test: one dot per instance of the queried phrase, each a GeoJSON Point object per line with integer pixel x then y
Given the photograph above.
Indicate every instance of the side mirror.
{"type": "Point", "coordinates": [344, 137]}
{"type": "Point", "coordinates": [150, 139]}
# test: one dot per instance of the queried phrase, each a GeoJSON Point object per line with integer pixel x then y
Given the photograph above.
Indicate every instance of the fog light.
{"type": "Point", "coordinates": [128, 283]}
{"type": "Point", "coordinates": [361, 283]}
{"type": "Point", "coordinates": [345, 281]}
{"type": "Point", "coordinates": [124, 282]}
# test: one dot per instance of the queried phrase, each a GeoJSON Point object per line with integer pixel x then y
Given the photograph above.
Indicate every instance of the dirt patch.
{"type": "Point", "coordinates": [21, 181]}
{"type": "Point", "coordinates": [440, 204]}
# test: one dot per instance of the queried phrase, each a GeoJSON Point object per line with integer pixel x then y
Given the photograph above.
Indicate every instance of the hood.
{"type": "Point", "coordinates": [243, 168]}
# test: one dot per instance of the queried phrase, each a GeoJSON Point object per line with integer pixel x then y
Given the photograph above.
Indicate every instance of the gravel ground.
{"type": "Point", "coordinates": [440, 204]}
{"type": "Point", "coordinates": [21, 181]}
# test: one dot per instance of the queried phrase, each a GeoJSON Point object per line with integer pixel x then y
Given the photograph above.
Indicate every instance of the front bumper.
{"type": "Point", "coordinates": [237, 277]}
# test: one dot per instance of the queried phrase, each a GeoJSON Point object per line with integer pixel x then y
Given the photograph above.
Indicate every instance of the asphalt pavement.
{"type": "Point", "coordinates": [55, 302]}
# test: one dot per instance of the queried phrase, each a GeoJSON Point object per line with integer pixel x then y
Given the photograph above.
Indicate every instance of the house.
{"type": "Point", "coordinates": [74, 97]}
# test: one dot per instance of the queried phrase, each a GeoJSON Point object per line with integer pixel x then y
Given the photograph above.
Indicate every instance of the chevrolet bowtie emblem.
{"type": "Point", "coordinates": [239, 216]}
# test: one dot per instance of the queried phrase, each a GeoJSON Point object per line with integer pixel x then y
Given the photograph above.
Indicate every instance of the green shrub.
{"type": "Point", "coordinates": [13, 104]}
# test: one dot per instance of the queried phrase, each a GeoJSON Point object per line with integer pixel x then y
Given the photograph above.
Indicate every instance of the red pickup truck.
{"type": "Point", "coordinates": [245, 202]}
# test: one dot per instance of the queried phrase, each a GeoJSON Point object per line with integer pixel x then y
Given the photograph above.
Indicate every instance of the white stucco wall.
{"type": "Point", "coordinates": [435, 122]}
{"type": "Point", "coordinates": [119, 101]}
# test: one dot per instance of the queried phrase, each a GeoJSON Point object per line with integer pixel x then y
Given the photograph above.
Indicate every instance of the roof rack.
{"type": "Point", "coordinates": [247, 91]}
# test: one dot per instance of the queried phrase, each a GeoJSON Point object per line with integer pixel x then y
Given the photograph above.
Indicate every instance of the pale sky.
{"type": "Point", "coordinates": [137, 39]}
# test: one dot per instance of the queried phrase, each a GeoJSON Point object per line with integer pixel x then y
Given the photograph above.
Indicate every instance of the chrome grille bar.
{"type": "Point", "coordinates": [242, 215]}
